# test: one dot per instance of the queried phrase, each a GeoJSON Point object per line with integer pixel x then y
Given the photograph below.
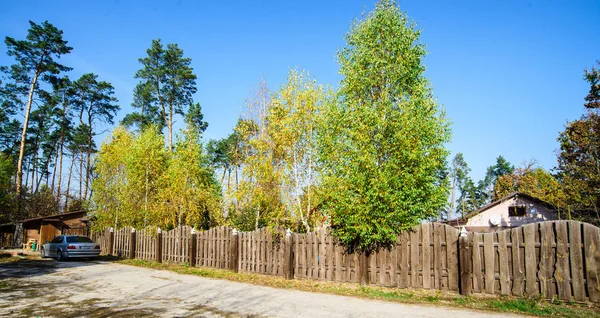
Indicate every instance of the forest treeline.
{"type": "Point", "coordinates": [368, 158]}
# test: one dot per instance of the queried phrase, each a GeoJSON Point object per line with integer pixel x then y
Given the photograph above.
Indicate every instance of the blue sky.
{"type": "Point", "coordinates": [509, 73]}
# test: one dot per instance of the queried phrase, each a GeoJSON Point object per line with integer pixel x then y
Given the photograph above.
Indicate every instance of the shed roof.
{"type": "Point", "coordinates": [55, 216]}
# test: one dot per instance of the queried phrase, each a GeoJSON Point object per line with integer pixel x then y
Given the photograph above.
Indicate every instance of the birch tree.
{"type": "Point", "coordinates": [383, 141]}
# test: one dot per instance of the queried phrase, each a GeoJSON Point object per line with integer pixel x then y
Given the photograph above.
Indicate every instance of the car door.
{"type": "Point", "coordinates": [54, 245]}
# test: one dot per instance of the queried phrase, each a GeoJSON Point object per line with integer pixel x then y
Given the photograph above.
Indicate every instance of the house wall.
{"type": "Point", "coordinates": [535, 212]}
{"type": "Point", "coordinates": [31, 230]}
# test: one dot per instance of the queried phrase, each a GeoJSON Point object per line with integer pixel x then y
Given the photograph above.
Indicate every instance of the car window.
{"type": "Point", "coordinates": [57, 239]}
{"type": "Point", "coordinates": [78, 239]}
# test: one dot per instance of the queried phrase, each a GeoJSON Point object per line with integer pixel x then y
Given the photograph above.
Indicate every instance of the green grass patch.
{"type": "Point", "coordinates": [532, 307]}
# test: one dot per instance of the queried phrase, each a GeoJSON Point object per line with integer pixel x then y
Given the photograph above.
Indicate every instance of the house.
{"type": "Point", "coordinates": [45, 228]}
{"type": "Point", "coordinates": [513, 210]}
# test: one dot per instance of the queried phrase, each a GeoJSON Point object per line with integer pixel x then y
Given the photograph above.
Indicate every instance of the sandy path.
{"type": "Point", "coordinates": [100, 289]}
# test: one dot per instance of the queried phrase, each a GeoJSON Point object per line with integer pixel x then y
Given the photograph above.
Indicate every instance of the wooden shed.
{"type": "Point", "coordinates": [45, 228]}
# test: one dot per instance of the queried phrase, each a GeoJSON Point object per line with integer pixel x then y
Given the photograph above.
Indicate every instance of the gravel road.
{"type": "Point", "coordinates": [101, 289]}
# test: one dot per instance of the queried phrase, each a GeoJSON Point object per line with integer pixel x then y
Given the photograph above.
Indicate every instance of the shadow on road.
{"type": "Point", "coordinates": [34, 266]}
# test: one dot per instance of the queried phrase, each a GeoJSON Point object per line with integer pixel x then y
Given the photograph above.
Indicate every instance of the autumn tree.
{"type": "Point", "coordinates": [259, 193]}
{"type": "Point", "coordinates": [533, 181]}
{"type": "Point", "coordinates": [579, 157]}
{"type": "Point", "coordinates": [382, 144]}
{"type": "Point", "coordinates": [36, 60]}
{"type": "Point", "coordinates": [141, 183]}
{"type": "Point", "coordinates": [294, 120]}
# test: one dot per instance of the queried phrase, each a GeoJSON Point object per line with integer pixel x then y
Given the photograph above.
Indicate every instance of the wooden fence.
{"type": "Point", "coordinates": [214, 248]}
{"type": "Point", "coordinates": [262, 252]}
{"type": "Point", "coordinates": [176, 245]}
{"type": "Point", "coordinates": [145, 244]}
{"type": "Point", "coordinates": [557, 259]}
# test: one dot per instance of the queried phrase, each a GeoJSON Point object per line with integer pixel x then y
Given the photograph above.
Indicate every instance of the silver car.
{"type": "Point", "coordinates": [68, 246]}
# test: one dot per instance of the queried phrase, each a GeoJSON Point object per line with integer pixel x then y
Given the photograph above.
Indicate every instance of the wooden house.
{"type": "Point", "coordinates": [513, 210]}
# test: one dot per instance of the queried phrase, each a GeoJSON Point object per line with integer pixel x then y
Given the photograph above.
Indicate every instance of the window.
{"type": "Point", "coordinates": [516, 211]}
{"type": "Point", "coordinates": [57, 239]}
{"type": "Point", "coordinates": [78, 239]}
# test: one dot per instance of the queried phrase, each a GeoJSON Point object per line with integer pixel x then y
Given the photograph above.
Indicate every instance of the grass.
{"type": "Point", "coordinates": [532, 306]}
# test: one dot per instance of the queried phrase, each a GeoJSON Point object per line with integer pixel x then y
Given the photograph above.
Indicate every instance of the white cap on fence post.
{"type": "Point", "coordinates": [159, 230]}
{"type": "Point", "coordinates": [111, 229]}
{"type": "Point", "coordinates": [288, 233]}
{"type": "Point", "coordinates": [463, 232]}
{"type": "Point", "coordinates": [132, 230]}
{"type": "Point", "coordinates": [193, 231]}
{"type": "Point", "coordinates": [234, 232]}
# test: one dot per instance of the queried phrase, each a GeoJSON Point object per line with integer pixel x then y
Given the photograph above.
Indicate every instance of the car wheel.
{"type": "Point", "coordinates": [42, 253]}
{"type": "Point", "coordinates": [59, 256]}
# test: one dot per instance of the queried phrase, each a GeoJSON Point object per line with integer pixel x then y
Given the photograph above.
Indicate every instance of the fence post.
{"type": "Point", "coordinates": [192, 250]}
{"type": "Point", "coordinates": [159, 246]}
{"type": "Point", "coordinates": [111, 240]}
{"type": "Point", "coordinates": [363, 269]}
{"type": "Point", "coordinates": [288, 255]}
{"type": "Point", "coordinates": [132, 244]}
{"type": "Point", "coordinates": [234, 252]}
{"type": "Point", "coordinates": [464, 262]}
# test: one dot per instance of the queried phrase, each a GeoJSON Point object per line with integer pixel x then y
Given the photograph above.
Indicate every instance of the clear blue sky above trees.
{"type": "Point", "coordinates": [509, 73]}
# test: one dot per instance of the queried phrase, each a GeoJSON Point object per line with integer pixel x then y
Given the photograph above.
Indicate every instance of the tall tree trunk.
{"type": "Point", "coordinates": [171, 128]}
{"type": "Point", "coordinates": [69, 183]}
{"type": "Point", "coordinates": [28, 169]}
{"type": "Point", "coordinates": [23, 136]}
{"type": "Point", "coordinates": [80, 176]}
{"type": "Point", "coordinates": [33, 170]}
{"type": "Point", "coordinates": [60, 165]}
{"type": "Point", "coordinates": [60, 151]}
{"type": "Point", "coordinates": [88, 164]}
{"type": "Point", "coordinates": [54, 172]}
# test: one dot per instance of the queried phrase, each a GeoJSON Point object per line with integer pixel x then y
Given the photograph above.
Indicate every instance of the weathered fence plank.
{"type": "Point", "coordinates": [591, 241]}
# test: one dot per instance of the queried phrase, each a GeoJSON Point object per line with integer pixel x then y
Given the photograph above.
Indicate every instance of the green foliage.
{"type": "Point", "coordinates": [275, 148]}
{"type": "Point", "coordinates": [7, 200]}
{"type": "Point", "coordinates": [533, 181]}
{"type": "Point", "coordinates": [579, 156]}
{"type": "Point", "coordinates": [382, 142]}
{"type": "Point", "coordinates": [35, 59]}
{"type": "Point", "coordinates": [140, 183]}
{"type": "Point", "coordinates": [195, 119]}
{"type": "Point", "coordinates": [166, 86]}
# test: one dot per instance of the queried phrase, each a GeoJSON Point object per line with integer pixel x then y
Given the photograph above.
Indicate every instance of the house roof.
{"type": "Point", "coordinates": [55, 216]}
{"type": "Point", "coordinates": [504, 199]}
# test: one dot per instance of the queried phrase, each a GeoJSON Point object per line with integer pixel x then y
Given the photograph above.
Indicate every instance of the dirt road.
{"type": "Point", "coordinates": [101, 289]}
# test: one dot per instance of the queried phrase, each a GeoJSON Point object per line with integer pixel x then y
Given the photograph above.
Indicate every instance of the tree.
{"type": "Point", "coordinates": [533, 181]}
{"type": "Point", "coordinates": [166, 87]}
{"type": "Point", "coordinates": [95, 102]}
{"type": "Point", "coordinates": [36, 60]}
{"type": "Point", "coordinates": [258, 195]}
{"type": "Point", "coordinates": [110, 195]}
{"type": "Point", "coordinates": [486, 186]}
{"type": "Point", "coordinates": [579, 157]}
{"type": "Point", "coordinates": [382, 144]}
{"type": "Point", "coordinates": [190, 190]}
{"type": "Point", "coordinates": [293, 122]}
{"type": "Point", "coordinates": [195, 119]}
{"type": "Point", "coordinates": [458, 175]}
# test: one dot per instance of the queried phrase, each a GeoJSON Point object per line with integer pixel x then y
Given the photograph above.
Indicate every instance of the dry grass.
{"type": "Point", "coordinates": [531, 306]}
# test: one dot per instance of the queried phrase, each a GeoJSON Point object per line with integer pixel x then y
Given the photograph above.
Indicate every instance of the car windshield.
{"type": "Point", "coordinates": [79, 239]}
